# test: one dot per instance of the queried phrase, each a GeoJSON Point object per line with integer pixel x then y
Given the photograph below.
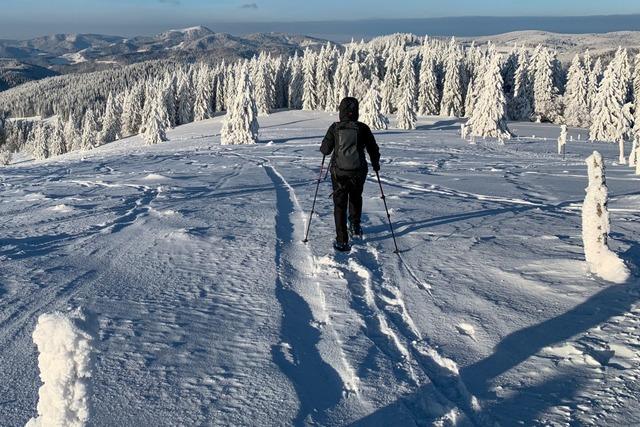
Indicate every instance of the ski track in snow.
{"type": "Point", "coordinates": [212, 311]}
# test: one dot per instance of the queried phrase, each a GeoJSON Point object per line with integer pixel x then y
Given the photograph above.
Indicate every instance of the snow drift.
{"type": "Point", "coordinates": [65, 347]}
{"type": "Point", "coordinates": [595, 226]}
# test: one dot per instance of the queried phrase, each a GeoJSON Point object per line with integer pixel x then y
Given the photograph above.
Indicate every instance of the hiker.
{"type": "Point", "coordinates": [347, 140]}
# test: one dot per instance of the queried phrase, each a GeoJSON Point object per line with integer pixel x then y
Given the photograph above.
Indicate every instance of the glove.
{"type": "Point", "coordinates": [376, 167]}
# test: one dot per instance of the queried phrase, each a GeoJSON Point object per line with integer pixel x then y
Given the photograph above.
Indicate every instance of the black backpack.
{"type": "Point", "coordinates": [348, 157]}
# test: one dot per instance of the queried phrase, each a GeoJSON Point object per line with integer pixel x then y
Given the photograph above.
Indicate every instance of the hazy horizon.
{"type": "Point", "coordinates": [340, 30]}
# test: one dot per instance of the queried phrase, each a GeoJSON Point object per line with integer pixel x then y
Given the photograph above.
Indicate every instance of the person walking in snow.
{"type": "Point", "coordinates": [346, 141]}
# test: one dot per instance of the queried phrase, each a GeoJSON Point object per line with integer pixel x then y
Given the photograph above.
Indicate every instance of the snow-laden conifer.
{"type": "Point", "coordinates": [309, 93]}
{"type": "Point", "coordinates": [39, 141]}
{"type": "Point", "coordinates": [371, 109]}
{"type": "Point", "coordinates": [595, 226]}
{"type": "Point", "coordinates": [545, 93]}
{"type": "Point", "coordinates": [240, 125]}
{"type": "Point", "coordinates": [111, 124]}
{"type": "Point", "coordinates": [428, 94]}
{"type": "Point", "coordinates": [185, 99]}
{"type": "Point", "coordinates": [452, 102]}
{"type": "Point", "coordinates": [521, 105]}
{"type": "Point", "coordinates": [57, 145]}
{"type": "Point", "coordinates": [132, 110]}
{"type": "Point", "coordinates": [295, 82]}
{"type": "Point", "coordinates": [89, 131]}
{"type": "Point", "coordinates": [202, 106]}
{"type": "Point", "coordinates": [576, 97]}
{"type": "Point", "coordinates": [155, 124]}
{"type": "Point", "coordinates": [406, 114]}
{"type": "Point", "coordinates": [611, 119]}
{"type": "Point", "coordinates": [489, 114]}
{"type": "Point", "coordinates": [263, 85]}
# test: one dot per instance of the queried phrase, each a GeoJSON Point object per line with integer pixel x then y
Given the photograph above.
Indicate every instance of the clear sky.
{"type": "Point", "coordinates": [27, 18]}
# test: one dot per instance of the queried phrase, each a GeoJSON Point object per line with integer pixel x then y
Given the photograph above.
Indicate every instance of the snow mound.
{"type": "Point", "coordinates": [65, 348]}
{"type": "Point", "coordinates": [155, 177]}
{"type": "Point", "coordinates": [61, 208]}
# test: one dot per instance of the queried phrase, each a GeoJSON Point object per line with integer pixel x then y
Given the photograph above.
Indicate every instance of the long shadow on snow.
{"type": "Point", "coordinates": [317, 384]}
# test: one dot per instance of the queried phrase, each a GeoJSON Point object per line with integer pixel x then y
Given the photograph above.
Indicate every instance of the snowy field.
{"type": "Point", "coordinates": [212, 312]}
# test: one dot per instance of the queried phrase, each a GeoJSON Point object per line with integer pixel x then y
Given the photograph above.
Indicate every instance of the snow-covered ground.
{"type": "Point", "coordinates": [212, 311]}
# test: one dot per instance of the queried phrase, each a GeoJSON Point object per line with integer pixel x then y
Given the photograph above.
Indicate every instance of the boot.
{"type": "Point", "coordinates": [341, 247]}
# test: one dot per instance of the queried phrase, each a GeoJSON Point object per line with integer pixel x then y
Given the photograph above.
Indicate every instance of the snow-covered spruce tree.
{"type": "Point", "coordinates": [220, 87]}
{"type": "Point", "coordinates": [240, 125]}
{"type": "Point", "coordinates": [263, 88]}
{"type": "Point", "coordinates": [57, 144]}
{"type": "Point", "coordinates": [185, 99]}
{"type": "Point", "coordinates": [428, 95]}
{"type": "Point", "coordinates": [155, 124]}
{"type": "Point", "coordinates": [471, 98]}
{"type": "Point", "coordinates": [576, 99]}
{"type": "Point", "coordinates": [489, 114]}
{"type": "Point", "coordinates": [71, 135]}
{"type": "Point", "coordinates": [39, 141]}
{"type": "Point", "coordinates": [595, 226]}
{"type": "Point", "coordinates": [295, 82]}
{"type": "Point", "coordinates": [521, 106]}
{"type": "Point", "coordinates": [202, 107]}
{"type": "Point", "coordinates": [406, 114]}
{"type": "Point", "coordinates": [371, 109]}
{"type": "Point", "coordinates": [111, 125]}
{"type": "Point", "coordinates": [323, 82]}
{"type": "Point", "coordinates": [309, 94]}
{"type": "Point", "coordinates": [169, 87]}
{"type": "Point", "coordinates": [545, 93]}
{"type": "Point", "coordinates": [391, 83]}
{"type": "Point", "coordinates": [132, 110]}
{"type": "Point", "coordinates": [89, 131]}
{"type": "Point", "coordinates": [562, 140]}
{"type": "Point", "coordinates": [452, 102]}
{"type": "Point", "coordinates": [636, 97]}
{"type": "Point", "coordinates": [508, 71]}
{"type": "Point", "coordinates": [595, 77]}
{"type": "Point", "coordinates": [610, 119]}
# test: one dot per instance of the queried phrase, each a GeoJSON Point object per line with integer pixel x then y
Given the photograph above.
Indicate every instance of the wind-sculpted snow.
{"type": "Point", "coordinates": [211, 310]}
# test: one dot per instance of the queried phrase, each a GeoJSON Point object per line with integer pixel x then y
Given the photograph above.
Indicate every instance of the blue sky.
{"type": "Point", "coordinates": [25, 18]}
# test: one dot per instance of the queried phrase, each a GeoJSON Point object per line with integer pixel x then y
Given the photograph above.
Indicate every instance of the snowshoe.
{"type": "Point", "coordinates": [341, 247]}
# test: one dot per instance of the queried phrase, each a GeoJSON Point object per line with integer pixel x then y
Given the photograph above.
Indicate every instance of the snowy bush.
{"type": "Point", "coordinates": [595, 226]}
{"type": "Point", "coordinates": [65, 347]}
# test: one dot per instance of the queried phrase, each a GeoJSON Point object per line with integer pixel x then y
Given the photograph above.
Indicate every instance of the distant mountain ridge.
{"type": "Point", "coordinates": [69, 53]}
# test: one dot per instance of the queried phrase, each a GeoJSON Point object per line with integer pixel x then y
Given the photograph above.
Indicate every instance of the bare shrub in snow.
{"type": "Point", "coordinates": [65, 346]}
{"type": "Point", "coordinates": [595, 226]}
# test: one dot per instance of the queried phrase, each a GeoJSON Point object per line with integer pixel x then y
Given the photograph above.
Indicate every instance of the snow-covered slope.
{"type": "Point", "coordinates": [212, 311]}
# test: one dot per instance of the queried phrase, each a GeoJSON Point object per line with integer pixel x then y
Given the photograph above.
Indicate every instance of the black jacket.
{"type": "Point", "coordinates": [366, 141]}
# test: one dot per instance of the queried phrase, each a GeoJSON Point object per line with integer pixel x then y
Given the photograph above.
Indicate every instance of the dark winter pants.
{"type": "Point", "coordinates": [347, 190]}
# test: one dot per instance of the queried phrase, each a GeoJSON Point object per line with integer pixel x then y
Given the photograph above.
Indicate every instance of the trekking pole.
{"type": "Point", "coordinates": [328, 169]}
{"type": "Point", "coordinates": [306, 235]}
{"type": "Point", "coordinates": [384, 200]}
